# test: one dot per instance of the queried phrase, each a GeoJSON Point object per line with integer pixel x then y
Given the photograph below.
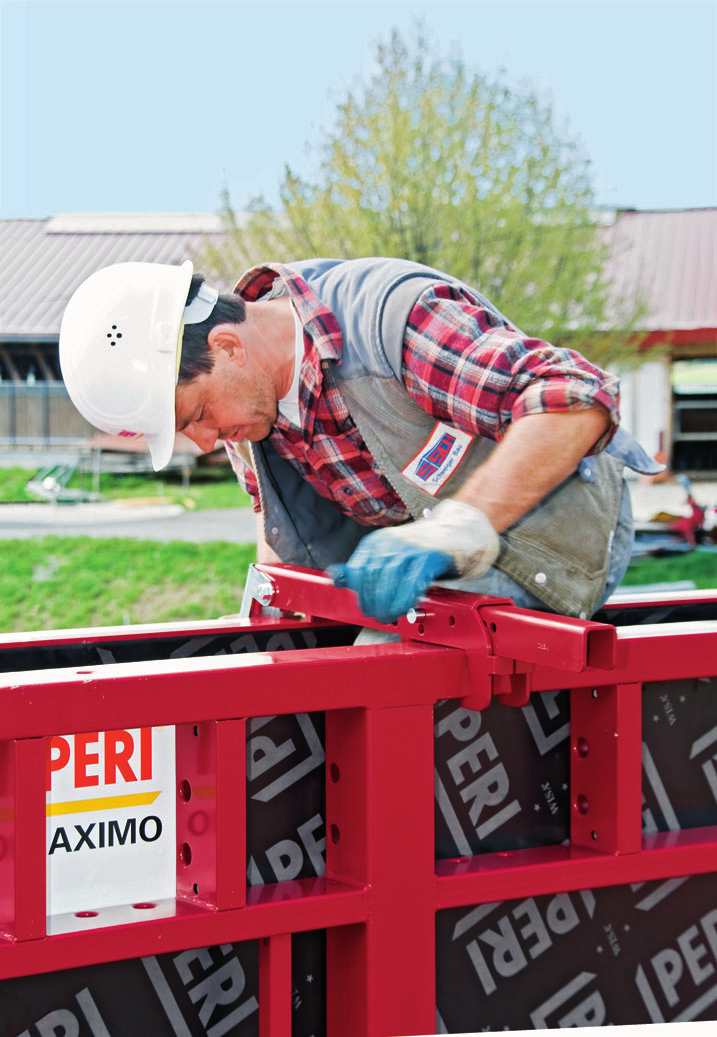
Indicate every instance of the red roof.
{"type": "Point", "coordinates": [668, 255]}
{"type": "Point", "coordinates": [43, 261]}
{"type": "Point", "coordinates": [671, 257]}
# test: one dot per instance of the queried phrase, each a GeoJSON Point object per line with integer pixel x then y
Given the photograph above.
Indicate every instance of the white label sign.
{"type": "Point", "coordinates": [111, 819]}
{"type": "Point", "coordinates": [438, 459]}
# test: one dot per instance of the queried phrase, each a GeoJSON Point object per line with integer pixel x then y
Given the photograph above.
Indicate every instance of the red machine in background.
{"type": "Point", "coordinates": [669, 533]}
{"type": "Point", "coordinates": [505, 820]}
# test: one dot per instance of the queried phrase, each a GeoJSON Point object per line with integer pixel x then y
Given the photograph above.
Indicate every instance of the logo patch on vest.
{"type": "Point", "coordinates": [438, 459]}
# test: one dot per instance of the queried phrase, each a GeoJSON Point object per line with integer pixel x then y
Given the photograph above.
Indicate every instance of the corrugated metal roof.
{"type": "Point", "coordinates": [668, 255]}
{"type": "Point", "coordinates": [43, 261]}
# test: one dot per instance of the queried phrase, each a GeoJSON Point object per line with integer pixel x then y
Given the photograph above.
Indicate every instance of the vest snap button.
{"type": "Point", "coordinates": [541, 578]}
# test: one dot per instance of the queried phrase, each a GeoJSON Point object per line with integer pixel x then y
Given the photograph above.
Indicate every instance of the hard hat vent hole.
{"type": "Point", "coordinates": [113, 334]}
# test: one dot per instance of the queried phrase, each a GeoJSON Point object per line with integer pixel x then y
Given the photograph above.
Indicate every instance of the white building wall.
{"type": "Point", "coordinates": [646, 405]}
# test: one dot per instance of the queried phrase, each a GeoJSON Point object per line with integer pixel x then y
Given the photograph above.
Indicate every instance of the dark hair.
{"type": "Point", "coordinates": [196, 357]}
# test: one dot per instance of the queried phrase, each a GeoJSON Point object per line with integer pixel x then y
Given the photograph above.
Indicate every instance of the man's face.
{"type": "Point", "coordinates": [235, 401]}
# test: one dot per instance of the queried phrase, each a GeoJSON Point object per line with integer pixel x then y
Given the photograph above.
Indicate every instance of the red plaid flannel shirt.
{"type": "Point", "coordinates": [461, 364]}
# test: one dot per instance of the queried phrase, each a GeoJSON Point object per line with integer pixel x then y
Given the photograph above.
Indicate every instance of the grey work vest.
{"type": "Point", "coordinates": [564, 542]}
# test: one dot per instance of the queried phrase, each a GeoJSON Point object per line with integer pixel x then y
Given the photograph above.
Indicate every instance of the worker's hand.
{"type": "Point", "coordinates": [389, 575]}
{"type": "Point", "coordinates": [392, 568]}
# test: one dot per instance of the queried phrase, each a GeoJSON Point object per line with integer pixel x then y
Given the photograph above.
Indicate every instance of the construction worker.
{"type": "Point", "coordinates": [391, 425]}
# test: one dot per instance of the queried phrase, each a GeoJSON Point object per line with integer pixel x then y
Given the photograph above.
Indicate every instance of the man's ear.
{"type": "Point", "coordinates": [227, 337]}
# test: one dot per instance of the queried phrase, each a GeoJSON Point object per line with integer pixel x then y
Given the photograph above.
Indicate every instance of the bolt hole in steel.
{"type": "Point", "coordinates": [493, 627]}
{"type": "Point", "coordinates": [196, 732]}
{"type": "Point", "coordinates": [195, 887]}
{"type": "Point", "coordinates": [185, 854]}
{"type": "Point", "coordinates": [421, 628]}
{"type": "Point", "coordinates": [582, 804]}
{"type": "Point", "coordinates": [86, 914]}
{"type": "Point", "coordinates": [593, 835]}
{"type": "Point", "coordinates": [334, 773]}
{"type": "Point", "coordinates": [451, 621]}
{"type": "Point", "coordinates": [185, 790]}
{"type": "Point", "coordinates": [582, 748]}
{"type": "Point", "coordinates": [144, 906]}
{"type": "Point", "coordinates": [335, 834]}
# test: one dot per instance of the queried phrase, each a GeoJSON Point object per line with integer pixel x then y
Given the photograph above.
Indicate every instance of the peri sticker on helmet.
{"type": "Point", "coordinates": [438, 458]}
{"type": "Point", "coordinates": [130, 435]}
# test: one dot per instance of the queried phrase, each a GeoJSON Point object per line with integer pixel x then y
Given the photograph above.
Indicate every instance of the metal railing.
{"type": "Point", "coordinates": [381, 878]}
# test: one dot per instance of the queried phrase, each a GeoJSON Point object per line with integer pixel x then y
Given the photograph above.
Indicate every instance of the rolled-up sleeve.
{"type": "Point", "coordinates": [465, 364]}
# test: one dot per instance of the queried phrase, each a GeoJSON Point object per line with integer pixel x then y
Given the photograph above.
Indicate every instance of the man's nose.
{"type": "Point", "coordinates": [204, 438]}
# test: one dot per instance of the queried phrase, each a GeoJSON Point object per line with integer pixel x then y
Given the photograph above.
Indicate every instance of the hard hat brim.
{"type": "Point", "coordinates": [119, 347]}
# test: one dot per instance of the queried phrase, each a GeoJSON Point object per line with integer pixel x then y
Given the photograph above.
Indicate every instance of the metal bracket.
{"type": "Point", "coordinates": [503, 644]}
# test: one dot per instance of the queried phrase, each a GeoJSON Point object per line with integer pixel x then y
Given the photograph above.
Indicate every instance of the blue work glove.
{"type": "Point", "coordinates": [392, 568]}
{"type": "Point", "coordinates": [389, 575]}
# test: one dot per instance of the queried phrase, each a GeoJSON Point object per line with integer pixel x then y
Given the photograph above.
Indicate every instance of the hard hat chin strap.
{"type": "Point", "coordinates": [201, 305]}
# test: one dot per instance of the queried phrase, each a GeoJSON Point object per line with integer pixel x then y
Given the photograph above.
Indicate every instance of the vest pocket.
{"type": "Point", "coordinates": [561, 549]}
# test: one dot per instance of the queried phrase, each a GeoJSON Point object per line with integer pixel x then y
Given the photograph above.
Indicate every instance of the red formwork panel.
{"type": "Point", "coordinates": [488, 834]}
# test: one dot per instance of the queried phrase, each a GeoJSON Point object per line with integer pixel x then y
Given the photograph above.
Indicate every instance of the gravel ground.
{"type": "Point", "coordinates": [173, 522]}
{"type": "Point", "coordinates": [115, 519]}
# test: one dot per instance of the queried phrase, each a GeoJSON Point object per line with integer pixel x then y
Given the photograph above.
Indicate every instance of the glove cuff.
{"type": "Point", "coordinates": [459, 530]}
{"type": "Point", "coordinates": [473, 541]}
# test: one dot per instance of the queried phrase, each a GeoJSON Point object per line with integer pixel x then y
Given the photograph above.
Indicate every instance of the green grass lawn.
{"type": "Point", "coordinates": [70, 582]}
{"type": "Point", "coordinates": [56, 583]}
{"type": "Point", "coordinates": [208, 487]}
{"type": "Point", "coordinates": [698, 566]}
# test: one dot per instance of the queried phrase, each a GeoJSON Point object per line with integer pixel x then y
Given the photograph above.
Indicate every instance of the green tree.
{"type": "Point", "coordinates": [432, 162]}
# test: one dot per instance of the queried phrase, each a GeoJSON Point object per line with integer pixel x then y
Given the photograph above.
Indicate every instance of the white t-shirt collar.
{"type": "Point", "coordinates": [289, 404]}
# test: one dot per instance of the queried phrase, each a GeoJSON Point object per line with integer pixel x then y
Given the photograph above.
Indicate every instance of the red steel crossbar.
{"type": "Point", "coordinates": [381, 879]}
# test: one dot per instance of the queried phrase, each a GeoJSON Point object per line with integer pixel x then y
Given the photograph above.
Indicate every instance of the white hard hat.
{"type": "Point", "coordinates": [120, 343]}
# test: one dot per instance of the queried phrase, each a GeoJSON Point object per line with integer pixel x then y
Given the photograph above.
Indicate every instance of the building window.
{"type": "Point", "coordinates": [30, 362]}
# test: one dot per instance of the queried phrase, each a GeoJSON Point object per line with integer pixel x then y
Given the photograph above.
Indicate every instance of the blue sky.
{"type": "Point", "coordinates": [135, 106]}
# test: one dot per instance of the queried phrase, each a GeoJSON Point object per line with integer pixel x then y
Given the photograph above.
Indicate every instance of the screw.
{"type": "Point", "coordinates": [415, 615]}
{"type": "Point", "coordinates": [265, 592]}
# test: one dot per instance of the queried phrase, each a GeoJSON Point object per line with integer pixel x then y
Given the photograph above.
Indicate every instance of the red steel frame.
{"type": "Point", "coordinates": [381, 879]}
